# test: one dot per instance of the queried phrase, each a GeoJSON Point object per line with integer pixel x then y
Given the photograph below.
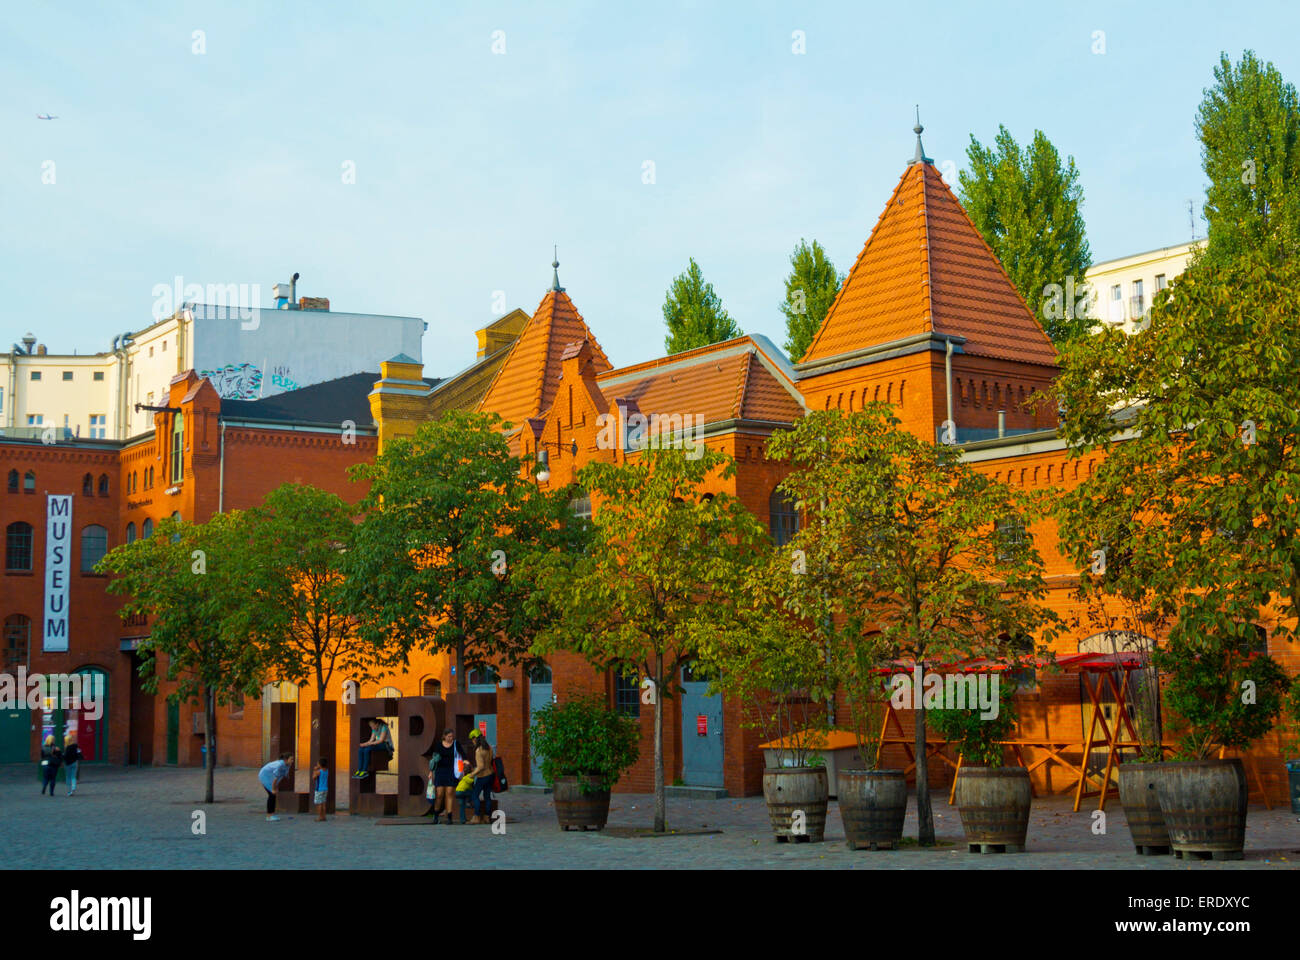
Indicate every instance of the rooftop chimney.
{"type": "Point", "coordinates": [29, 343]}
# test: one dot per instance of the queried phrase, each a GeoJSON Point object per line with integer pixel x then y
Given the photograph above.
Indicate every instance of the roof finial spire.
{"type": "Point", "coordinates": [555, 266]}
{"type": "Point", "coordinates": [920, 150]}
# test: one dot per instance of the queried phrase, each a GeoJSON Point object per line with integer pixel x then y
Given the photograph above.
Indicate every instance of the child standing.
{"type": "Point", "coordinates": [320, 779]}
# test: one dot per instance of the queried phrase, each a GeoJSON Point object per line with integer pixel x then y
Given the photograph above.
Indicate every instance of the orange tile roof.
{"type": "Point", "coordinates": [926, 269]}
{"type": "Point", "coordinates": [526, 383]}
{"type": "Point", "coordinates": [723, 381]}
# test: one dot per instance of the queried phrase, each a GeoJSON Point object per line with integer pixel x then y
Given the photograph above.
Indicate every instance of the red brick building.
{"type": "Point", "coordinates": [926, 320]}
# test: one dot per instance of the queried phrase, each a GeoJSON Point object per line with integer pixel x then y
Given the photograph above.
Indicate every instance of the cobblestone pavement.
{"type": "Point", "coordinates": [125, 818]}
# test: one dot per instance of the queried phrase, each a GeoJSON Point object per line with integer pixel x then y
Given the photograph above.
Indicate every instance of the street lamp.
{"type": "Point", "coordinates": [543, 471]}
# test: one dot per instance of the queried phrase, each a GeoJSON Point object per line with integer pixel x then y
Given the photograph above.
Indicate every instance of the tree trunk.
{"type": "Point", "coordinates": [210, 740]}
{"type": "Point", "coordinates": [660, 804]}
{"type": "Point", "coordinates": [924, 815]}
{"type": "Point", "coordinates": [462, 676]}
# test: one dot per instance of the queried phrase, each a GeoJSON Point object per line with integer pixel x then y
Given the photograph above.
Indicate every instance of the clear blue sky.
{"type": "Point", "coordinates": [226, 167]}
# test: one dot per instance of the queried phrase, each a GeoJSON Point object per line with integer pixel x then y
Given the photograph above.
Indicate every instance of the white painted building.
{"type": "Point", "coordinates": [1122, 289]}
{"type": "Point", "coordinates": [247, 352]}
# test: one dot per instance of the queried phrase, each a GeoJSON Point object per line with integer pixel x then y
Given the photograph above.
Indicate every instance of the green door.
{"type": "Point", "coordinates": [15, 736]}
{"type": "Point", "coordinates": [173, 731]}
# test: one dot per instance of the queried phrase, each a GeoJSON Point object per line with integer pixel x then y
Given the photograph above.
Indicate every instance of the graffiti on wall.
{"type": "Point", "coordinates": [280, 378]}
{"type": "Point", "coordinates": [236, 381]}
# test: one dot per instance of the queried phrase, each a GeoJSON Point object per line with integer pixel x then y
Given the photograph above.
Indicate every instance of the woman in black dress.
{"type": "Point", "coordinates": [441, 762]}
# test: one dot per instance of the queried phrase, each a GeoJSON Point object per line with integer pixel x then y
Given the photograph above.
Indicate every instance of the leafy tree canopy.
{"type": "Point", "coordinates": [694, 314]}
{"type": "Point", "coordinates": [810, 290]}
{"type": "Point", "coordinates": [1026, 204]}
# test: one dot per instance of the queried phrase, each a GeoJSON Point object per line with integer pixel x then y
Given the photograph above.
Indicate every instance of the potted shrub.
{"type": "Point", "coordinates": [777, 670]}
{"type": "Point", "coordinates": [872, 801]}
{"type": "Point", "coordinates": [780, 679]}
{"type": "Point", "coordinates": [993, 800]}
{"type": "Point", "coordinates": [584, 748]}
{"type": "Point", "coordinates": [1291, 746]}
{"type": "Point", "coordinates": [1137, 779]}
{"type": "Point", "coordinates": [1224, 696]}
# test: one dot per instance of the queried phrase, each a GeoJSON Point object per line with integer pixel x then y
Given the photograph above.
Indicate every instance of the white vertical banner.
{"type": "Point", "coordinates": [58, 562]}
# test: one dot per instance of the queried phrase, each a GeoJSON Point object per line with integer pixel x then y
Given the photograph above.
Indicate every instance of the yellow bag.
{"type": "Point", "coordinates": [466, 784]}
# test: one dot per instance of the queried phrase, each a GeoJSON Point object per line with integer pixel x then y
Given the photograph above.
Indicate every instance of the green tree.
{"type": "Point", "coordinates": [810, 290]}
{"type": "Point", "coordinates": [937, 556]}
{"type": "Point", "coordinates": [694, 313]}
{"type": "Point", "coordinates": [1026, 203]}
{"type": "Point", "coordinates": [440, 559]}
{"type": "Point", "coordinates": [1194, 503]}
{"type": "Point", "coordinates": [298, 538]}
{"type": "Point", "coordinates": [1249, 125]}
{"type": "Point", "coordinates": [188, 578]}
{"type": "Point", "coordinates": [663, 559]}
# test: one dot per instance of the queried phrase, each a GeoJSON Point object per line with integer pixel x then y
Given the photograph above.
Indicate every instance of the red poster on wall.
{"type": "Point", "coordinates": [482, 727]}
{"type": "Point", "coordinates": [702, 725]}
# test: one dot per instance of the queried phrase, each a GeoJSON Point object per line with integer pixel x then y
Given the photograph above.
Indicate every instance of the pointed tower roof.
{"type": "Point", "coordinates": [925, 269]}
{"type": "Point", "coordinates": [526, 383]}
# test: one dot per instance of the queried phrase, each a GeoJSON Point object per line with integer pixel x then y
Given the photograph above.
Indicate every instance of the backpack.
{"type": "Point", "coordinates": [499, 782]}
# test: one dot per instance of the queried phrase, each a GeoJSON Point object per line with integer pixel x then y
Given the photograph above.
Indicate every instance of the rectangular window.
{"type": "Point", "coordinates": [98, 425]}
{"type": "Point", "coordinates": [99, 375]}
{"type": "Point", "coordinates": [178, 446]}
{"type": "Point", "coordinates": [1138, 301]}
{"type": "Point", "coordinates": [67, 374]}
{"type": "Point", "coordinates": [1161, 282]}
{"type": "Point", "coordinates": [35, 419]}
{"type": "Point", "coordinates": [627, 694]}
{"type": "Point", "coordinates": [36, 374]}
{"type": "Point", "coordinates": [1116, 314]}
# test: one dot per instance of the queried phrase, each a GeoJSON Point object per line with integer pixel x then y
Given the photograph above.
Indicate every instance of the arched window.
{"type": "Point", "coordinates": [146, 529]}
{"type": "Point", "coordinates": [17, 641]}
{"type": "Point", "coordinates": [580, 505]}
{"type": "Point", "coordinates": [94, 544]}
{"type": "Point", "coordinates": [13, 481]}
{"type": "Point", "coordinates": [389, 693]}
{"type": "Point", "coordinates": [482, 679]}
{"type": "Point", "coordinates": [87, 485]}
{"type": "Point", "coordinates": [130, 532]}
{"type": "Point", "coordinates": [429, 687]}
{"type": "Point", "coordinates": [18, 546]}
{"type": "Point", "coordinates": [103, 484]}
{"type": "Point", "coordinates": [783, 518]}
{"type": "Point", "coordinates": [29, 482]}
{"type": "Point", "coordinates": [539, 673]}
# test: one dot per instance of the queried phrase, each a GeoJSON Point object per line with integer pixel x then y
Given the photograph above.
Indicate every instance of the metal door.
{"type": "Point", "coordinates": [701, 732]}
{"type": "Point", "coordinates": [15, 735]}
{"type": "Point", "coordinates": [540, 691]}
{"type": "Point", "coordinates": [173, 731]}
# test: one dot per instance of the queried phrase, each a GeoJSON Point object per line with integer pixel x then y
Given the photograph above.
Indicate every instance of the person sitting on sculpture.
{"type": "Point", "coordinates": [381, 738]}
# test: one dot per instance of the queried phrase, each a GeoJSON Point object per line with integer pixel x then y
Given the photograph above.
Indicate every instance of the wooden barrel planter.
{"type": "Point", "coordinates": [796, 803]}
{"type": "Point", "coordinates": [1204, 806]}
{"type": "Point", "coordinates": [994, 807]}
{"type": "Point", "coordinates": [873, 804]}
{"type": "Point", "coordinates": [576, 809]}
{"type": "Point", "coordinates": [1137, 794]}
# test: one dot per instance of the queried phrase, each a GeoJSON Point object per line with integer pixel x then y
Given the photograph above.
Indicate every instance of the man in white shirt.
{"type": "Point", "coordinates": [269, 777]}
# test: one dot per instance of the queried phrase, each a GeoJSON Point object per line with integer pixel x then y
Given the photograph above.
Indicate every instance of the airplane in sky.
{"type": "Point", "coordinates": [45, 116]}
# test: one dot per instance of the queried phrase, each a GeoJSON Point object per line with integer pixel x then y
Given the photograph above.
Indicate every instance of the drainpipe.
{"type": "Point", "coordinates": [947, 368]}
{"type": "Point", "coordinates": [221, 471]}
